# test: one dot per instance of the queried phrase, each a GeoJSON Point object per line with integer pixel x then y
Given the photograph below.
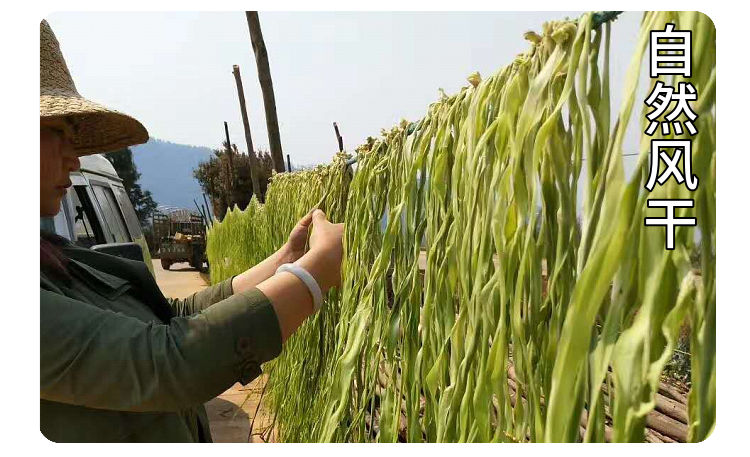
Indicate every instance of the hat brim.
{"type": "Point", "coordinates": [97, 128]}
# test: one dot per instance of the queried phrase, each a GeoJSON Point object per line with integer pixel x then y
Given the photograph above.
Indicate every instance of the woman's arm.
{"type": "Point", "coordinates": [102, 359]}
{"type": "Point", "coordinates": [290, 252]}
{"type": "Point", "coordinates": [197, 302]}
{"type": "Point", "coordinates": [289, 296]}
{"type": "Point", "coordinates": [243, 282]}
{"type": "Point", "coordinates": [247, 280]}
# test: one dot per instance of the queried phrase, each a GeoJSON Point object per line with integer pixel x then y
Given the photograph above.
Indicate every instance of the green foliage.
{"type": "Point", "coordinates": [584, 313]}
{"type": "Point", "coordinates": [226, 188]}
{"type": "Point", "coordinates": [142, 201]}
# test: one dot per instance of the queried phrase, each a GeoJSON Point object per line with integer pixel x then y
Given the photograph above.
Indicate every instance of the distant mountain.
{"type": "Point", "coordinates": [167, 171]}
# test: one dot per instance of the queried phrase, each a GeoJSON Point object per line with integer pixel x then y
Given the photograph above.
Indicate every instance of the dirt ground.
{"type": "Point", "coordinates": [231, 413]}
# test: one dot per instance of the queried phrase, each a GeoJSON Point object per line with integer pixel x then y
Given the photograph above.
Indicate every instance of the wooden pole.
{"type": "Point", "coordinates": [230, 173]}
{"type": "Point", "coordinates": [338, 137]}
{"type": "Point", "coordinates": [208, 223]}
{"type": "Point", "coordinates": [203, 216]}
{"type": "Point", "coordinates": [226, 133]}
{"type": "Point", "coordinates": [288, 164]}
{"type": "Point", "coordinates": [248, 136]}
{"type": "Point", "coordinates": [208, 208]}
{"type": "Point", "coordinates": [266, 86]}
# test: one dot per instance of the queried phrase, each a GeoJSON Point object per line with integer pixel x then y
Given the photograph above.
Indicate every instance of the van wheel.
{"type": "Point", "coordinates": [165, 264]}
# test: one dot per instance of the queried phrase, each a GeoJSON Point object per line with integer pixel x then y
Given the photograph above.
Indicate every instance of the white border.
{"type": "Point", "coordinates": [18, 35]}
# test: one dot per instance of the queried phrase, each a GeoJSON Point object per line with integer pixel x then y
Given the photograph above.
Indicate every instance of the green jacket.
{"type": "Point", "coordinates": [119, 362]}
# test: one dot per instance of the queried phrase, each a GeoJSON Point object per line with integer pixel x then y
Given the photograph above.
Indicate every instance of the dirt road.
{"type": "Point", "coordinates": [180, 281]}
{"type": "Point", "coordinates": [231, 413]}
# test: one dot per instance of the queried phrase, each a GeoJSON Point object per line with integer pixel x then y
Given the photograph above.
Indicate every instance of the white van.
{"type": "Point", "coordinates": [97, 213]}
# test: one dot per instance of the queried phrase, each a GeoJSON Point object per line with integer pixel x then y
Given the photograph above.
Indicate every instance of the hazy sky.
{"type": "Point", "coordinates": [366, 71]}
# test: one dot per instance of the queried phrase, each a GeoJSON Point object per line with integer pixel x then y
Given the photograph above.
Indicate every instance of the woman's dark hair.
{"type": "Point", "coordinates": [52, 260]}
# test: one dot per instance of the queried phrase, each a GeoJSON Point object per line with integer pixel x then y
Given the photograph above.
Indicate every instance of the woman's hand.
{"type": "Point", "coordinates": [295, 245]}
{"type": "Point", "coordinates": [290, 252]}
{"type": "Point", "coordinates": [289, 296]}
{"type": "Point", "coordinates": [323, 260]}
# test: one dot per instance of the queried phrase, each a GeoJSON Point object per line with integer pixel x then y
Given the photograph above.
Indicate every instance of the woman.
{"type": "Point", "coordinates": [118, 361]}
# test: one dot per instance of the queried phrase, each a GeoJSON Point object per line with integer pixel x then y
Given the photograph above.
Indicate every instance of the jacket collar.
{"type": "Point", "coordinates": [132, 271]}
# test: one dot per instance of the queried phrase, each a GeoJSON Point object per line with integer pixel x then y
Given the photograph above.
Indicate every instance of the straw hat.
{"type": "Point", "coordinates": [97, 129]}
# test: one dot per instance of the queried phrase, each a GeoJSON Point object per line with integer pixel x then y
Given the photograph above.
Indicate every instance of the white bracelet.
{"type": "Point", "coordinates": [307, 278]}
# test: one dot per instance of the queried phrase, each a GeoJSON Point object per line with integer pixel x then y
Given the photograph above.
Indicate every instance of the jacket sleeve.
{"type": "Point", "coordinates": [202, 299]}
{"type": "Point", "coordinates": [102, 359]}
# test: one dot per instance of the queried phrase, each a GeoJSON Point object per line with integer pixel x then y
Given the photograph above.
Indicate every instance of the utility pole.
{"type": "Point", "coordinates": [288, 164]}
{"type": "Point", "coordinates": [248, 136]}
{"type": "Point", "coordinates": [266, 86]}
